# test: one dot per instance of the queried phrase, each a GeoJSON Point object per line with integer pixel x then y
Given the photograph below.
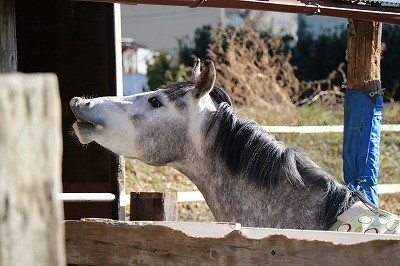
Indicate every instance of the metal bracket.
{"type": "Point", "coordinates": [373, 88]}
{"type": "Point", "coordinates": [197, 3]}
{"type": "Point", "coordinates": [316, 10]}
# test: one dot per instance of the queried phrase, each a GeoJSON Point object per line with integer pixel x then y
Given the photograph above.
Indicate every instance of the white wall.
{"type": "Point", "coordinates": [318, 25]}
{"type": "Point", "coordinates": [158, 27]}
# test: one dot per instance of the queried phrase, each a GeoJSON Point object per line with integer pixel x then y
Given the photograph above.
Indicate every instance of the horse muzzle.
{"type": "Point", "coordinates": [85, 112]}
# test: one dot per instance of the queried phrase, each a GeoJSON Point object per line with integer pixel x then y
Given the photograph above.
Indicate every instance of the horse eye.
{"type": "Point", "coordinates": [155, 102]}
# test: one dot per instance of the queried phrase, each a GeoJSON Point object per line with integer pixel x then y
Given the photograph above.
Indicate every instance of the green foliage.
{"type": "Point", "coordinates": [163, 70]}
{"type": "Point", "coordinates": [390, 64]}
{"type": "Point", "coordinates": [315, 58]}
{"type": "Point", "coordinates": [187, 48]}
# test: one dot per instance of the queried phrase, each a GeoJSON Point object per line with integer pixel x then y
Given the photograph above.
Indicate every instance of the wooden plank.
{"type": "Point", "coordinates": [106, 242]}
{"type": "Point", "coordinates": [320, 8]}
{"type": "Point", "coordinates": [154, 206]}
{"type": "Point", "coordinates": [31, 228]}
{"type": "Point", "coordinates": [8, 40]}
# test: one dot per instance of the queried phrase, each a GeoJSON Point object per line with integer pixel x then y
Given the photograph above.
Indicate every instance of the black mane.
{"type": "Point", "coordinates": [248, 150]}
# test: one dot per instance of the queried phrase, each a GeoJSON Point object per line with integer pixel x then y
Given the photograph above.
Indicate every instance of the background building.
{"type": "Point", "coordinates": [134, 66]}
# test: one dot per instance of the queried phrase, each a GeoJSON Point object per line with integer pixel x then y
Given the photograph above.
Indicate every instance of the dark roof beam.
{"type": "Point", "coordinates": [310, 7]}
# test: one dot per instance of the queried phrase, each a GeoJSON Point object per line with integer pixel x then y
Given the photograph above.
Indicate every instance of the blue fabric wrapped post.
{"type": "Point", "coordinates": [362, 126]}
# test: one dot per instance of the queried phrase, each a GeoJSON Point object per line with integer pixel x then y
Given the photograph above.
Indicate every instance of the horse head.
{"type": "Point", "coordinates": [156, 127]}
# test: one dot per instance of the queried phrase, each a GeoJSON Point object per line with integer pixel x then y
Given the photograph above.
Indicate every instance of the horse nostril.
{"type": "Point", "coordinates": [87, 104]}
{"type": "Point", "coordinates": [75, 101]}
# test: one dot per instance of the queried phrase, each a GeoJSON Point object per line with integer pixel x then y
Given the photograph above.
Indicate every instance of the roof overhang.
{"type": "Point", "coordinates": [310, 7]}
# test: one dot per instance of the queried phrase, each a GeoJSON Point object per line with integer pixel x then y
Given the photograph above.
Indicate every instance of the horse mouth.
{"type": "Point", "coordinates": [85, 124]}
{"type": "Point", "coordinates": [82, 121]}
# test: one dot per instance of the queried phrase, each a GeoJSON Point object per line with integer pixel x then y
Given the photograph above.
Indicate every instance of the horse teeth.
{"type": "Point", "coordinates": [99, 127]}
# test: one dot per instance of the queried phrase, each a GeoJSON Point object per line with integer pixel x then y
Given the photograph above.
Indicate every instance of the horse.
{"type": "Point", "coordinates": [245, 174]}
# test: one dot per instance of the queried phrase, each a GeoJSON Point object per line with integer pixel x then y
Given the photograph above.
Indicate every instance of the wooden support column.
{"type": "Point", "coordinates": [363, 108]}
{"type": "Point", "coordinates": [154, 206]}
{"type": "Point", "coordinates": [31, 226]}
{"type": "Point", "coordinates": [8, 40]}
{"type": "Point", "coordinates": [364, 54]}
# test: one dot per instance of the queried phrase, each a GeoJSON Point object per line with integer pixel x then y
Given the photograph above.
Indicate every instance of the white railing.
{"type": "Point", "coordinates": [186, 196]}
{"type": "Point", "coordinates": [320, 129]}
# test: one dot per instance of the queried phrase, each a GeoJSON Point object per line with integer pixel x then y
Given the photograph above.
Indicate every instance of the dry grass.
{"type": "Point", "coordinates": [257, 72]}
{"type": "Point", "coordinates": [253, 71]}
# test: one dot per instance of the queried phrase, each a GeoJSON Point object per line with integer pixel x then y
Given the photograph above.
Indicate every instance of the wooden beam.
{"type": "Point", "coordinates": [364, 55]}
{"type": "Point", "coordinates": [311, 7]}
{"type": "Point", "coordinates": [8, 40]}
{"type": "Point", "coordinates": [31, 229]}
{"type": "Point", "coordinates": [154, 206]}
{"type": "Point", "coordinates": [107, 242]}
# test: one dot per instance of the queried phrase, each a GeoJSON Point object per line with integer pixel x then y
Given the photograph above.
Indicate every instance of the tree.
{"type": "Point", "coordinates": [390, 64]}
{"type": "Point", "coordinates": [316, 57]}
{"type": "Point", "coordinates": [313, 57]}
{"type": "Point", "coordinates": [187, 48]}
{"type": "Point", "coordinates": [163, 70]}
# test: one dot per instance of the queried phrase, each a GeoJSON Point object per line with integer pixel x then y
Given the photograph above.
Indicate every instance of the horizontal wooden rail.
{"type": "Point", "coordinates": [86, 197]}
{"type": "Point", "coordinates": [193, 196]}
{"type": "Point", "coordinates": [320, 129]}
{"type": "Point", "coordinates": [108, 242]}
{"type": "Point", "coordinates": [190, 196]}
{"type": "Point", "coordinates": [186, 196]}
{"type": "Point", "coordinates": [388, 188]}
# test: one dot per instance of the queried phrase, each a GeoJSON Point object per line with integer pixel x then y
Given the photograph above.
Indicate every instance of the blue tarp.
{"type": "Point", "coordinates": [362, 127]}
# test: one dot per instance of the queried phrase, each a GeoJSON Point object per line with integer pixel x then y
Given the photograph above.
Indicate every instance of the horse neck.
{"type": "Point", "coordinates": [234, 198]}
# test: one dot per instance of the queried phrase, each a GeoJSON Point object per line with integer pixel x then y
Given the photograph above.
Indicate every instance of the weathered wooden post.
{"type": "Point", "coordinates": [8, 43]}
{"type": "Point", "coordinates": [31, 228]}
{"type": "Point", "coordinates": [154, 206]}
{"type": "Point", "coordinates": [363, 108]}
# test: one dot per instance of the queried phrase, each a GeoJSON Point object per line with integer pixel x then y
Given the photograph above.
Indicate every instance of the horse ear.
{"type": "Point", "coordinates": [196, 70]}
{"type": "Point", "coordinates": [205, 81]}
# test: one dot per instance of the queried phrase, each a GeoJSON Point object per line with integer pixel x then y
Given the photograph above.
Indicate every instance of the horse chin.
{"type": "Point", "coordinates": [84, 131]}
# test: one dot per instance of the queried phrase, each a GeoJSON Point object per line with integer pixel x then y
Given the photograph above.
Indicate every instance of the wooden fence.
{"type": "Point", "coordinates": [108, 242]}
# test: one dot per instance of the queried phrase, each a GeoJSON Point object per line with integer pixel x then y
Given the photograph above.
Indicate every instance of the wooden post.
{"type": "Point", "coordinates": [8, 41]}
{"type": "Point", "coordinates": [31, 227]}
{"type": "Point", "coordinates": [363, 108]}
{"type": "Point", "coordinates": [364, 54]}
{"type": "Point", "coordinates": [154, 206]}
